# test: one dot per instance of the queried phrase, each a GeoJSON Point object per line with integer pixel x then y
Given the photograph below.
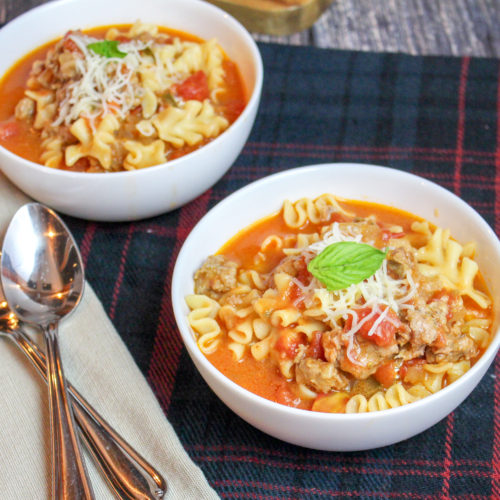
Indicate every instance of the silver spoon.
{"type": "Point", "coordinates": [42, 279]}
{"type": "Point", "coordinates": [128, 473]}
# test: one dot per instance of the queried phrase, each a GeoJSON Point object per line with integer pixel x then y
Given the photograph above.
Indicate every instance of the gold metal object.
{"type": "Point", "coordinates": [274, 17]}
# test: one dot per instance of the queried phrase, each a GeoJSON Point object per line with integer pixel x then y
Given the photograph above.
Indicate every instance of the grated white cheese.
{"type": "Point", "coordinates": [378, 292]}
{"type": "Point", "coordinates": [105, 83]}
{"type": "Point", "coordinates": [333, 235]}
{"type": "Point", "coordinates": [379, 320]}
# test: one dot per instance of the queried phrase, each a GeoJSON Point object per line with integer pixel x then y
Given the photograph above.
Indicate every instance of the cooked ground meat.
{"type": "Point", "coordinates": [216, 276]}
{"type": "Point", "coordinates": [25, 109]}
{"type": "Point", "coordinates": [321, 376]}
{"type": "Point", "coordinates": [366, 227]}
{"type": "Point", "coordinates": [427, 323]}
{"type": "Point", "coordinates": [291, 265]}
{"type": "Point", "coordinates": [436, 330]}
{"type": "Point", "coordinates": [330, 342]}
{"type": "Point", "coordinates": [371, 357]}
{"type": "Point", "coordinates": [400, 260]}
{"type": "Point", "coordinates": [457, 348]}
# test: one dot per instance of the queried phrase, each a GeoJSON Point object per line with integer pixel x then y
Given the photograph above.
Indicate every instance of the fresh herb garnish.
{"type": "Point", "coordinates": [345, 263]}
{"type": "Point", "coordinates": [147, 52]}
{"type": "Point", "coordinates": [168, 96]}
{"type": "Point", "coordinates": [107, 48]}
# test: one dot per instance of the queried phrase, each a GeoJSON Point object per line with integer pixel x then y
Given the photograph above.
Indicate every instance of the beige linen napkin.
{"type": "Point", "coordinates": [100, 366]}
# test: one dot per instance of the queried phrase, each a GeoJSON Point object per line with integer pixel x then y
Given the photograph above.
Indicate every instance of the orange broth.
{"type": "Point", "coordinates": [26, 141]}
{"type": "Point", "coordinates": [263, 377]}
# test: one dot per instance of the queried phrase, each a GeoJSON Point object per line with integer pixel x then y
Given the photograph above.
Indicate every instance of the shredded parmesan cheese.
{"type": "Point", "coordinates": [333, 235]}
{"type": "Point", "coordinates": [106, 84]}
{"type": "Point", "coordinates": [377, 322]}
{"type": "Point", "coordinates": [378, 292]}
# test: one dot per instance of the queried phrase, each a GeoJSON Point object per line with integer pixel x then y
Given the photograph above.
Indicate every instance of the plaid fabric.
{"type": "Point", "coordinates": [433, 116]}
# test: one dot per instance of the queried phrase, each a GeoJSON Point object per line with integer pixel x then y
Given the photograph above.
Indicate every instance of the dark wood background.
{"type": "Point", "coordinates": [436, 27]}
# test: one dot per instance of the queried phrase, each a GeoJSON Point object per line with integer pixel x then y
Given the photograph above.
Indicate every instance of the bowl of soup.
{"type": "Point", "coordinates": [351, 308]}
{"type": "Point", "coordinates": [117, 114]}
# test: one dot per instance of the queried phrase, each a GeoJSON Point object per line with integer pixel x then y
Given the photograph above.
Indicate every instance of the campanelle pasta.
{"type": "Point", "coordinates": [121, 98]}
{"type": "Point", "coordinates": [342, 306]}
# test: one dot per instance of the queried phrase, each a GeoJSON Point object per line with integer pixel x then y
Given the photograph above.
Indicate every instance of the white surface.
{"type": "Point", "coordinates": [325, 431]}
{"type": "Point", "coordinates": [121, 196]}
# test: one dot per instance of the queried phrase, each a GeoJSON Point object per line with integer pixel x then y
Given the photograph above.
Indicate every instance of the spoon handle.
{"type": "Point", "coordinates": [128, 473]}
{"type": "Point", "coordinates": [69, 474]}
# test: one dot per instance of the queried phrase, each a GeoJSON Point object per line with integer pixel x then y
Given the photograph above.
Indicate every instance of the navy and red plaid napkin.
{"type": "Point", "coordinates": [436, 117]}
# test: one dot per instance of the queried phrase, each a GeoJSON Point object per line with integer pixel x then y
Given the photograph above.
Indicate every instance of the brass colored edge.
{"type": "Point", "coordinates": [274, 18]}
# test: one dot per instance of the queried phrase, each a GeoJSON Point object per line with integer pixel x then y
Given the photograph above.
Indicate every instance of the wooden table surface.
{"type": "Point", "coordinates": [436, 27]}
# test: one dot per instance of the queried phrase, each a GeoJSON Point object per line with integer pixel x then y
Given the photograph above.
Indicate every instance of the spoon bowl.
{"type": "Point", "coordinates": [42, 278]}
{"type": "Point", "coordinates": [42, 271]}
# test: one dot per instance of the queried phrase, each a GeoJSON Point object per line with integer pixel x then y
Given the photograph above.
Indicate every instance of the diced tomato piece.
{"type": "Point", "coordinates": [194, 87]}
{"type": "Point", "coordinates": [288, 343]}
{"type": "Point", "coordinates": [294, 292]}
{"type": "Point", "coordinates": [167, 40]}
{"type": "Point", "coordinates": [385, 333]}
{"type": "Point", "coordinates": [331, 403]}
{"type": "Point", "coordinates": [285, 396]}
{"type": "Point", "coordinates": [136, 110]}
{"type": "Point", "coordinates": [439, 295]}
{"type": "Point", "coordinates": [411, 369]}
{"type": "Point", "coordinates": [113, 107]}
{"type": "Point", "coordinates": [441, 340]}
{"type": "Point", "coordinates": [447, 297]}
{"type": "Point", "coordinates": [8, 129]}
{"type": "Point", "coordinates": [70, 45]}
{"type": "Point", "coordinates": [80, 165]}
{"type": "Point", "coordinates": [315, 349]}
{"type": "Point", "coordinates": [303, 275]}
{"type": "Point", "coordinates": [295, 295]}
{"type": "Point", "coordinates": [388, 235]}
{"type": "Point", "coordinates": [386, 374]}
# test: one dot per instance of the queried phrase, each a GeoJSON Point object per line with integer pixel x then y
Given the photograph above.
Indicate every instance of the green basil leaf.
{"type": "Point", "coordinates": [168, 96]}
{"type": "Point", "coordinates": [147, 51]}
{"type": "Point", "coordinates": [107, 48]}
{"type": "Point", "coordinates": [345, 263]}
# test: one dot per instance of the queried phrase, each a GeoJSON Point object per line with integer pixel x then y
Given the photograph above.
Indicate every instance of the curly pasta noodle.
{"type": "Point", "coordinates": [443, 257]}
{"type": "Point", "coordinates": [271, 243]}
{"type": "Point", "coordinates": [252, 279]}
{"type": "Point", "coordinates": [302, 241]}
{"type": "Point", "coordinates": [45, 106]}
{"type": "Point", "coordinates": [260, 350]}
{"type": "Point", "coordinates": [141, 156]}
{"type": "Point", "coordinates": [201, 319]}
{"type": "Point", "coordinates": [395, 396]}
{"type": "Point", "coordinates": [96, 144]}
{"type": "Point", "coordinates": [477, 330]}
{"type": "Point", "coordinates": [190, 124]}
{"type": "Point", "coordinates": [305, 210]}
{"type": "Point", "coordinates": [237, 349]}
{"type": "Point", "coordinates": [52, 155]}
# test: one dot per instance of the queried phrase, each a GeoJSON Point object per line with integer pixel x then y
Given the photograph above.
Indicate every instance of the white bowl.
{"type": "Point", "coordinates": [130, 195]}
{"type": "Point", "coordinates": [324, 431]}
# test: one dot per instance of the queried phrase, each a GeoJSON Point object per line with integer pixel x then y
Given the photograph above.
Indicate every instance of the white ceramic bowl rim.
{"type": "Point", "coordinates": [254, 93]}
{"type": "Point", "coordinates": [428, 401]}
